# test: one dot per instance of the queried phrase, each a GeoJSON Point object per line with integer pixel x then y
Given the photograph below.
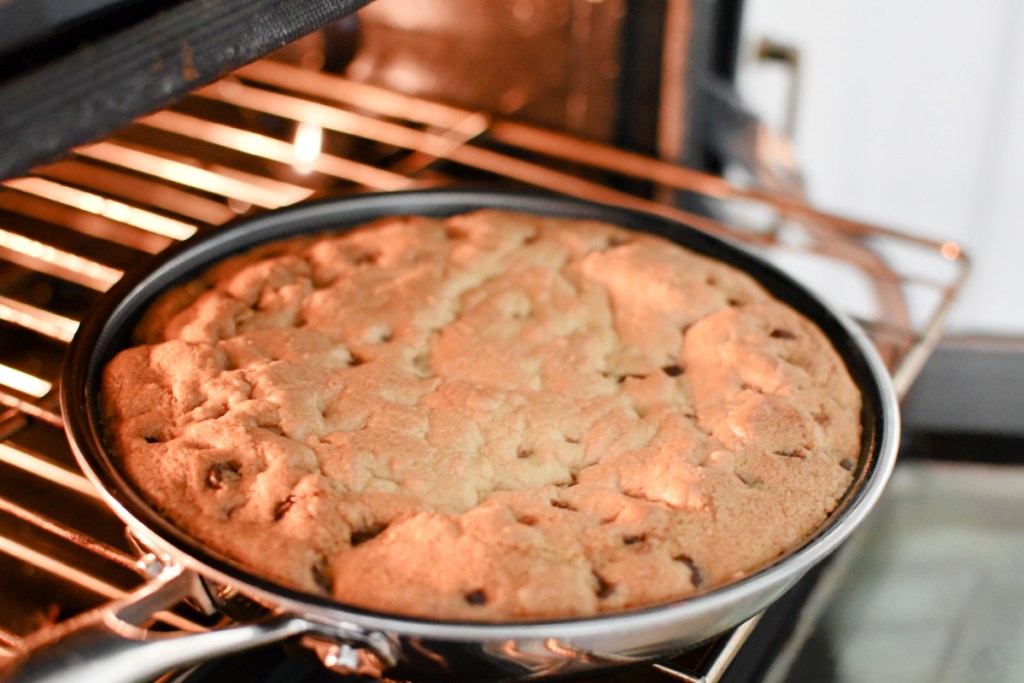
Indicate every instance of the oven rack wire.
{"type": "Point", "coordinates": [273, 134]}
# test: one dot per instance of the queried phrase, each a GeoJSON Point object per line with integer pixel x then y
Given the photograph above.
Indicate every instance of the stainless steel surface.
{"type": "Point", "coordinates": [107, 644]}
{"type": "Point", "coordinates": [194, 167]}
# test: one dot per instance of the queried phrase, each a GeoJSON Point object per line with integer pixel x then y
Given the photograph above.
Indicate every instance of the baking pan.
{"type": "Point", "coordinates": [110, 644]}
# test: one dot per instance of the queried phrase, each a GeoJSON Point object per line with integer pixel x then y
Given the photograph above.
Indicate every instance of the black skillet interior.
{"type": "Point", "coordinates": [107, 328]}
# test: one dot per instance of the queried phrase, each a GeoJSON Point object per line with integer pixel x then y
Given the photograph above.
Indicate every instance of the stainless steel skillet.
{"type": "Point", "coordinates": [110, 645]}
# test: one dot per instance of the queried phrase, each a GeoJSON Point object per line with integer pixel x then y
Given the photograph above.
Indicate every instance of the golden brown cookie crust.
{"type": "Point", "coordinates": [496, 416]}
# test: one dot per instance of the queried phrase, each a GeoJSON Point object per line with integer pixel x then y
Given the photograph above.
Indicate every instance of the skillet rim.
{"type": "Point", "coordinates": [112, 317]}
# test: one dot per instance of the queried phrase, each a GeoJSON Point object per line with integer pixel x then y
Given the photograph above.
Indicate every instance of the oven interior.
{"type": "Point", "coordinates": [331, 115]}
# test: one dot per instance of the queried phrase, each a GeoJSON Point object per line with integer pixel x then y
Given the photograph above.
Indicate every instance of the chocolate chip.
{"type": "Point", "coordinates": [364, 535]}
{"type": "Point", "coordinates": [421, 365]}
{"type": "Point", "coordinates": [846, 464]}
{"type": "Point", "coordinates": [696, 577]}
{"type": "Point", "coordinates": [748, 479]}
{"type": "Point", "coordinates": [617, 241]}
{"type": "Point", "coordinates": [604, 588]}
{"type": "Point", "coordinates": [622, 378]}
{"type": "Point", "coordinates": [781, 334]}
{"type": "Point", "coordinates": [456, 233]}
{"type": "Point", "coordinates": [673, 370]}
{"type": "Point", "coordinates": [634, 539]}
{"type": "Point", "coordinates": [734, 302]}
{"type": "Point", "coordinates": [322, 576]}
{"type": "Point", "coordinates": [524, 452]}
{"type": "Point", "coordinates": [283, 507]}
{"type": "Point", "coordinates": [365, 257]}
{"type": "Point", "coordinates": [221, 473]}
{"type": "Point", "coordinates": [356, 360]}
{"type": "Point", "coordinates": [476, 598]}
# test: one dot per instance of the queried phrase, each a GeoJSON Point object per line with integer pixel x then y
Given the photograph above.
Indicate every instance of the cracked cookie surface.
{"type": "Point", "coordinates": [494, 416]}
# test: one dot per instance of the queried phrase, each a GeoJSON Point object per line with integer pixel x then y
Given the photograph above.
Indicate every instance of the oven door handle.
{"type": "Point", "coordinates": [107, 644]}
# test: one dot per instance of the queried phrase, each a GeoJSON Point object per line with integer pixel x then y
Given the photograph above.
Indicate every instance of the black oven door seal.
{"type": "Point", "coordinates": [103, 84]}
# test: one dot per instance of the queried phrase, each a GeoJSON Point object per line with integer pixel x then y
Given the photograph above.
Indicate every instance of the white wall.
{"type": "Point", "coordinates": [912, 116]}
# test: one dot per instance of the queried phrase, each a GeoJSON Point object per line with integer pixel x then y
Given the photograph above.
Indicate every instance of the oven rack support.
{"type": "Point", "coordinates": [273, 134]}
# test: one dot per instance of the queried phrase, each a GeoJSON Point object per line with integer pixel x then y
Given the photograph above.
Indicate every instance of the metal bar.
{"type": "Point", "coordinates": [84, 580]}
{"type": "Point", "coordinates": [12, 421]}
{"type": "Point", "coordinates": [23, 382]}
{"type": "Point", "coordinates": [37, 319]}
{"type": "Point", "coordinates": [45, 258]}
{"type": "Point", "coordinates": [10, 644]}
{"type": "Point", "coordinates": [32, 410]}
{"type": "Point", "coordinates": [256, 190]}
{"type": "Point", "coordinates": [266, 147]}
{"type": "Point", "coordinates": [74, 536]}
{"type": "Point", "coordinates": [91, 224]}
{"type": "Point", "coordinates": [339, 120]}
{"type": "Point", "coordinates": [561, 146]}
{"type": "Point", "coordinates": [566, 147]}
{"type": "Point", "coordinates": [435, 145]}
{"type": "Point", "coordinates": [358, 95]}
{"type": "Point", "coordinates": [544, 177]}
{"type": "Point", "coordinates": [103, 206]}
{"type": "Point", "coordinates": [723, 657]}
{"type": "Point", "coordinates": [142, 190]}
{"type": "Point", "coordinates": [917, 355]}
{"type": "Point", "coordinates": [463, 132]}
{"type": "Point", "coordinates": [43, 468]}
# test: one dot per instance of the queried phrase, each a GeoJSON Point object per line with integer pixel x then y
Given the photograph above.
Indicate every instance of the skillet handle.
{"type": "Point", "coordinates": [105, 645]}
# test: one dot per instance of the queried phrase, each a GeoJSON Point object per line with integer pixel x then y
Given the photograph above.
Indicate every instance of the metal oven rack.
{"type": "Point", "coordinates": [274, 134]}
